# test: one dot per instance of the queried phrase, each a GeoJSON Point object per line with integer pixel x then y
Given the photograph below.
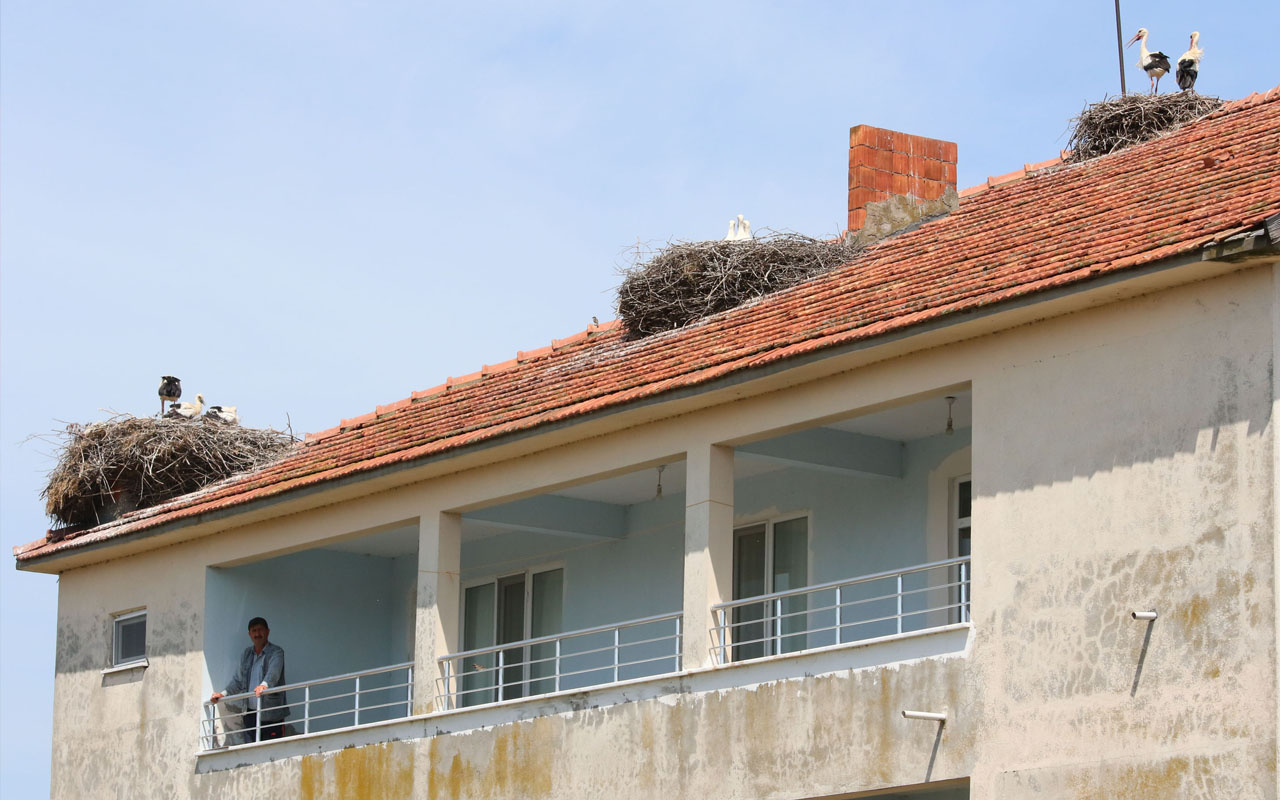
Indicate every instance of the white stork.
{"type": "Point", "coordinates": [1189, 64]}
{"type": "Point", "coordinates": [170, 390]}
{"type": "Point", "coordinates": [187, 410]}
{"type": "Point", "coordinates": [225, 414]}
{"type": "Point", "coordinates": [739, 230]}
{"type": "Point", "coordinates": [1156, 64]}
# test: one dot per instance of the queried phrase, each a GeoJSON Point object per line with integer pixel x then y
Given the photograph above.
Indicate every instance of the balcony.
{"type": "Point", "coordinates": [324, 704]}
{"type": "Point", "coordinates": [911, 600]}
{"type": "Point", "coordinates": [608, 654]}
{"type": "Point", "coordinates": [838, 546]}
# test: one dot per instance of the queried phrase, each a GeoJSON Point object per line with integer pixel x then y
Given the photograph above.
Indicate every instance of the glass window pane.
{"type": "Point", "coordinates": [547, 619]}
{"type": "Point", "coordinates": [548, 603]}
{"type": "Point", "coordinates": [477, 627]}
{"type": "Point", "coordinates": [477, 631]}
{"type": "Point", "coordinates": [966, 499]}
{"type": "Point", "coordinates": [791, 571]}
{"type": "Point", "coordinates": [790, 554]}
{"type": "Point", "coordinates": [965, 541]}
{"type": "Point", "coordinates": [131, 638]}
{"type": "Point", "coordinates": [511, 629]}
{"type": "Point", "coordinates": [748, 581]}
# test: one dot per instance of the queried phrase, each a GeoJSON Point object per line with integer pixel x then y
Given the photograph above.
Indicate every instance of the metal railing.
{"type": "Point", "coordinates": [838, 612]}
{"type": "Point", "coordinates": [638, 648]}
{"type": "Point", "coordinates": [339, 701]}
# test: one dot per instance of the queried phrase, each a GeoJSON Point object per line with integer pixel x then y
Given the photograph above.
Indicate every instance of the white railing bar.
{"type": "Point", "coordinates": [604, 668]}
{"type": "Point", "coordinates": [558, 636]}
{"type": "Point", "coordinates": [492, 669]}
{"type": "Point", "coordinates": [318, 681]}
{"type": "Point", "coordinates": [847, 604]}
{"type": "Point", "coordinates": [848, 624]}
{"type": "Point", "coordinates": [569, 674]}
{"type": "Point", "coordinates": [846, 582]}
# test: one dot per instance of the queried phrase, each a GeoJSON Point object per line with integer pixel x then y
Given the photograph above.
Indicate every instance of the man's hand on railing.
{"type": "Point", "coordinates": [259, 689]}
{"type": "Point", "coordinates": [216, 696]}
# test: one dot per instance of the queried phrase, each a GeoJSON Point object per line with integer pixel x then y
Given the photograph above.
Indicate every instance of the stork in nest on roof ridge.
{"type": "Point", "coordinates": [170, 390]}
{"type": "Point", "coordinates": [1189, 64]}
{"type": "Point", "coordinates": [187, 410]}
{"type": "Point", "coordinates": [1156, 64]}
{"type": "Point", "coordinates": [227, 414]}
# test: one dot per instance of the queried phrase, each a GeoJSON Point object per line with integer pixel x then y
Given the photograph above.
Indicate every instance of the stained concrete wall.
{"type": "Point", "coordinates": [1123, 458]}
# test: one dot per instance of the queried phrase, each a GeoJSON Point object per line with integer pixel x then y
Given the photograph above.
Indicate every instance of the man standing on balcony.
{"type": "Point", "coordinates": [261, 668]}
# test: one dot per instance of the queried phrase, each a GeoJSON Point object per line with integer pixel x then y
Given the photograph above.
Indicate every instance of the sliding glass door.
{"type": "Point", "coordinates": [770, 557]}
{"type": "Point", "coordinates": [506, 610]}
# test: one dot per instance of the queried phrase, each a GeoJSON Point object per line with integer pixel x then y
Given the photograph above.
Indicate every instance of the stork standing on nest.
{"type": "Point", "coordinates": [187, 410]}
{"type": "Point", "coordinates": [170, 390]}
{"type": "Point", "coordinates": [1156, 64]}
{"type": "Point", "coordinates": [1189, 64]}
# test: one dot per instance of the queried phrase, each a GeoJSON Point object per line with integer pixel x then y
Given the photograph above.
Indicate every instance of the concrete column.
{"type": "Point", "coordinates": [708, 547]}
{"type": "Point", "coordinates": [436, 632]}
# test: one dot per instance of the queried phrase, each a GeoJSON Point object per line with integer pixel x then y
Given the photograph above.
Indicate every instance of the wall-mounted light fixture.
{"type": "Point", "coordinates": [933, 716]}
{"type": "Point", "coordinates": [951, 427]}
{"type": "Point", "coordinates": [1146, 615]}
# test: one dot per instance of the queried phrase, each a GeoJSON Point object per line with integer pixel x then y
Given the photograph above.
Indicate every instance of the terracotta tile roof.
{"type": "Point", "coordinates": [1034, 231]}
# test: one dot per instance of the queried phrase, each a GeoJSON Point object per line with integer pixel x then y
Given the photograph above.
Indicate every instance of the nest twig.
{"type": "Point", "coordinates": [109, 468]}
{"type": "Point", "coordinates": [1120, 122]}
{"type": "Point", "coordinates": [686, 281]}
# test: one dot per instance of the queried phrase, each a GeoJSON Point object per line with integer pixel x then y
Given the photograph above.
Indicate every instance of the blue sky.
{"type": "Point", "coordinates": [308, 209]}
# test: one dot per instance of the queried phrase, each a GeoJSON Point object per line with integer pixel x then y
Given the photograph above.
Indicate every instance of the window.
{"type": "Point", "coordinates": [770, 557]}
{"type": "Point", "coordinates": [129, 638]}
{"type": "Point", "coordinates": [962, 536]}
{"type": "Point", "coordinates": [506, 609]}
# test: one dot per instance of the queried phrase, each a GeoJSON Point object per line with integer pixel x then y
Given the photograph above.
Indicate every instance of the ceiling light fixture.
{"type": "Point", "coordinates": [658, 495]}
{"type": "Point", "coordinates": [951, 427]}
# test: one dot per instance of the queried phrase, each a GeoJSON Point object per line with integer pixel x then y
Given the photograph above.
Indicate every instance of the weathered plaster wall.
{"type": "Point", "coordinates": [1122, 459]}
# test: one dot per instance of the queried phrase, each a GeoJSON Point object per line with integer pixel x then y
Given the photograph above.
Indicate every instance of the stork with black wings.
{"type": "Point", "coordinates": [1189, 64]}
{"type": "Point", "coordinates": [170, 391]}
{"type": "Point", "coordinates": [1156, 64]}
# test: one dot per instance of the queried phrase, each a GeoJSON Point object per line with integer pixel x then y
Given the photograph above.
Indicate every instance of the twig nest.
{"type": "Point", "coordinates": [687, 281]}
{"type": "Point", "coordinates": [110, 468]}
{"type": "Point", "coordinates": [1120, 122]}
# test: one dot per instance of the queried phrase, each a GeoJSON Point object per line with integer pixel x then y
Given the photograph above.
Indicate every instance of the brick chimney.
{"type": "Point", "coordinates": [896, 180]}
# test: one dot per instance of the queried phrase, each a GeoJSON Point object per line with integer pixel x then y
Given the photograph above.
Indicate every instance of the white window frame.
{"type": "Point", "coordinates": [528, 574]}
{"type": "Point", "coordinates": [768, 523]}
{"type": "Point", "coordinates": [963, 594]}
{"type": "Point", "coordinates": [953, 513]}
{"type": "Point", "coordinates": [118, 661]}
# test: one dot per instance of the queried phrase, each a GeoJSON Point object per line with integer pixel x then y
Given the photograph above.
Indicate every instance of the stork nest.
{"type": "Point", "coordinates": [110, 468]}
{"type": "Point", "coordinates": [686, 281]}
{"type": "Point", "coordinates": [1120, 122]}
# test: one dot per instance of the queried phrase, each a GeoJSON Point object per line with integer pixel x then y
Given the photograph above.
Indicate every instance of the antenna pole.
{"type": "Point", "coordinates": [1120, 48]}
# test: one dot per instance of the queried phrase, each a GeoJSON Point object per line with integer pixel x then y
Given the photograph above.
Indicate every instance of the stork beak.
{"type": "Point", "coordinates": [1135, 38]}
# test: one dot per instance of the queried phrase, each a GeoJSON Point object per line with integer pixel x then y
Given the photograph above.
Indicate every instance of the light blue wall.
{"type": "Point", "coordinates": [332, 612]}
{"type": "Point", "coordinates": [858, 525]}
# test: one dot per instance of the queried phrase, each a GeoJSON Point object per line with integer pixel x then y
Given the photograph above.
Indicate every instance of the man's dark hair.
{"type": "Point", "coordinates": [259, 621]}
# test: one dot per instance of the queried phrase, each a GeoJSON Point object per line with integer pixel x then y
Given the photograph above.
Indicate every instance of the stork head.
{"type": "Point", "coordinates": [1141, 34]}
{"type": "Point", "coordinates": [1195, 37]}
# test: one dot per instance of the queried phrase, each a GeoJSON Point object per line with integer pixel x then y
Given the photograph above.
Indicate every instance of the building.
{"type": "Point", "coordinates": [755, 557]}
